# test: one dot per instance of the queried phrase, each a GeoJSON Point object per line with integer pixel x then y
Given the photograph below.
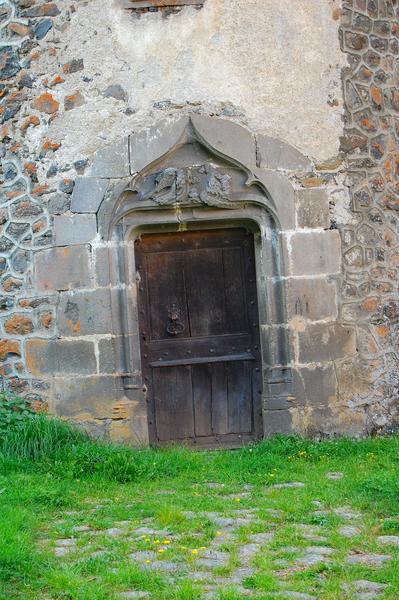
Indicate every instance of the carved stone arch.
{"type": "Point", "coordinates": [198, 172]}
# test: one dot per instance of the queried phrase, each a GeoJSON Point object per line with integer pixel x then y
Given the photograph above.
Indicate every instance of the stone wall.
{"type": "Point", "coordinates": [369, 296]}
{"type": "Point", "coordinates": [77, 76]}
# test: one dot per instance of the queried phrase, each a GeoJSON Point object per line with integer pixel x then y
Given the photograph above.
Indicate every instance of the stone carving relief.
{"type": "Point", "coordinates": [190, 185]}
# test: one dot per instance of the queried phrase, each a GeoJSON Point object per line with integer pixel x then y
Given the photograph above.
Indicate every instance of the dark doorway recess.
{"type": "Point", "coordinates": [199, 332]}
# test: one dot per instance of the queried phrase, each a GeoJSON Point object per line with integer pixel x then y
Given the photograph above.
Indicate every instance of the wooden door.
{"type": "Point", "coordinates": [199, 336]}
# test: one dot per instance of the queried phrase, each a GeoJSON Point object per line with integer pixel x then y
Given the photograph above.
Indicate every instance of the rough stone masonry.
{"type": "Point", "coordinates": [314, 87]}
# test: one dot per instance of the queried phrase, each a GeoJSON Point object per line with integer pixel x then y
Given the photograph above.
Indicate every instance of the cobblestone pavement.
{"type": "Point", "coordinates": [254, 546]}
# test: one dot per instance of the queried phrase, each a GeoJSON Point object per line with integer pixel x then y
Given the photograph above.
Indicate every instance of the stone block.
{"type": "Point", "coordinates": [276, 154]}
{"type": "Point", "coordinates": [274, 402]}
{"type": "Point", "coordinates": [154, 142]}
{"type": "Point", "coordinates": [114, 352]}
{"type": "Point", "coordinates": [315, 253]}
{"type": "Point", "coordinates": [107, 355]}
{"type": "Point", "coordinates": [120, 354]}
{"type": "Point", "coordinates": [282, 194]}
{"type": "Point", "coordinates": [101, 262]}
{"type": "Point", "coordinates": [112, 162]}
{"type": "Point", "coordinates": [86, 398]}
{"type": "Point", "coordinates": [316, 386]}
{"type": "Point", "coordinates": [74, 230]}
{"type": "Point", "coordinates": [227, 138]}
{"type": "Point", "coordinates": [277, 422]}
{"type": "Point", "coordinates": [49, 357]}
{"type": "Point", "coordinates": [277, 344]}
{"type": "Point", "coordinates": [312, 208]}
{"type": "Point", "coordinates": [325, 341]}
{"type": "Point", "coordinates": [133, 431]}
{"type": "Point", "coordinates": [88, 194]}
{"type": "Point", "coordinates": [85, 313]}
{"type": "Point", "coordinates": [313, 299]}
{"type": "Point", "coordinates": [62, 268]}
{"type": "Point", "coordinates": [278, 389]}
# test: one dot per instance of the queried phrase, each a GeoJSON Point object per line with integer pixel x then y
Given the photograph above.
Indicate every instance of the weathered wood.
{"type": "Point", "coordinates": [199, 323]}
{"type": "Point", "coordinates": [202, 398]}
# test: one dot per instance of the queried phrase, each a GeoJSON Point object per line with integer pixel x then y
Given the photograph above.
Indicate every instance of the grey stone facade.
{"type": "Point", "coordinates": [322, 197]}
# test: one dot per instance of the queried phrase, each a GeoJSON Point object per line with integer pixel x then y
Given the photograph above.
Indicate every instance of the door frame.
{"type": "Point", "coordinates": [232, 440]}
{"type": "Point", "coordinates": [276, 374]}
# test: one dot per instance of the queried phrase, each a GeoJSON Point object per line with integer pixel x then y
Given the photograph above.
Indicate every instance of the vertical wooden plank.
{"type": "Point", "coordinates": [205, 291]}
{"type": "Point", "coordinates": [236, 313]}
{"type": "Point", "coordinates": [246, 400]}
{"type": "Point", "coordinates": [162, 388]}
{"type": "Point", "coordinates": [165, 279]}
{"type": "Point", "coordinates": [173, 403]}
{"type": "Point", "coordinates": [239, 397]}
{"type": "Point", "coordinates": [220, 412]}
{"type": "Point", "coordinates": [202, 399]}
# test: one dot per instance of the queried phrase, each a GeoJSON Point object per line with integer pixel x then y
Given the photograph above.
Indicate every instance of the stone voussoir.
{"type": "Point", "coordinates": [226, 138]}
{"type": "Point", "coordinates": [112, 162]}
{"type": "Point", "coordinates": [152, 143]}
{"type": "Point", "coordinates": [88, 194]}
{"type": "Point", "coordinates": [277, 154]}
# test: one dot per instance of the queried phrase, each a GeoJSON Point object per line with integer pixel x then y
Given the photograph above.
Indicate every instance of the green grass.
{"type": "Point", "coordinates": [53, 478]}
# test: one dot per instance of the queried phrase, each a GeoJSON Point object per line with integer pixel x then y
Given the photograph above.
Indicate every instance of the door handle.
{"type": "Point", "coordinates": [175, 325]}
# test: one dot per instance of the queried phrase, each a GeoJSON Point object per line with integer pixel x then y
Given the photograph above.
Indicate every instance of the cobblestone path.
{"type": "Point", "coordinates": [253, 543]}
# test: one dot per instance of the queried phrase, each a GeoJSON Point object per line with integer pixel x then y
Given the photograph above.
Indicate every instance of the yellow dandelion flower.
{"type": "Point", "coordinates": [202, 547]}
{"type": "Point", "coordinates": [194, 551]}
{"type": "Point", "coordinates": [160, 550]}
{"type": "Point", "coordinates": [147, 562]}
{"type": "Point", "coordinates": [166, 542]}
{"type": "Point", "coordinates": [157, 542]}
{"type": "Point", "coordinates": [237, 499]}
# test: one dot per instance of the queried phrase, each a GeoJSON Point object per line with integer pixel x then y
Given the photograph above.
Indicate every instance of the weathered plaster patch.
{"type": "Point", "coordinates": [254, 56]}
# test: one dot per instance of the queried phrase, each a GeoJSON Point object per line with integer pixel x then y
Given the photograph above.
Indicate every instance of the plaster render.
{"type": "Point", "coordinates": [246, 59]}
